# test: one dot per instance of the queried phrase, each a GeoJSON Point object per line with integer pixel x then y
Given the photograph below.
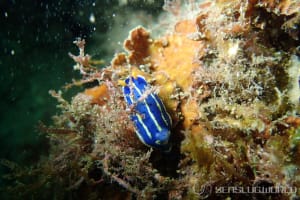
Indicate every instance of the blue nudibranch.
{"type": "Point", "coordinates": [151, 120]}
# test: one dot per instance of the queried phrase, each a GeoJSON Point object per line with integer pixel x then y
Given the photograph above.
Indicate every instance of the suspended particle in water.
{"type": "Point", "coordinates": [92, 18]}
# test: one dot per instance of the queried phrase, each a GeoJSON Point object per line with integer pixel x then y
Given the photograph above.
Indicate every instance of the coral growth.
{"type": "Point", "coordinates": [228, 76]}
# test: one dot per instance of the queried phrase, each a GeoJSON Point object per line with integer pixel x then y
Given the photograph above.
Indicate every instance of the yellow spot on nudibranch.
{"type": "Point", "coordinates": [134, 74]}
{"type": "Point", "coordinates": [121, 82]}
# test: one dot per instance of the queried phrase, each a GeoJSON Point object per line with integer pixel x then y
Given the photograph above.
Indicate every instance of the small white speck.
{"type": "Point", "coordinates": [6, 14]}
{"type": "Point", "coordinates": [92, 18]}
{"type": "Point", "coordinates": [94, 4]}
{"type": "Point", "coordinates": [233, 49]}
{"type": "Point", "coordinates": [12, 52]}
{"type": "Point", "coordinates": [113, 15]}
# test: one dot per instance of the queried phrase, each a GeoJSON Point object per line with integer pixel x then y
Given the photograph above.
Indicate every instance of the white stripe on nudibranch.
{"type": "Point", "coordinates": [144, 126]}
{"type": "Point", "coordinates": [162, 111]}
{"type": "Point", "coordinates": [140, 121]}
{"type": "Point", "coordinates": [148, 109]}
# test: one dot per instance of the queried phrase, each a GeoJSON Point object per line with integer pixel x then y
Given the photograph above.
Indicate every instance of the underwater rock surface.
{"type": "Point", "coordinates": [227, 73]}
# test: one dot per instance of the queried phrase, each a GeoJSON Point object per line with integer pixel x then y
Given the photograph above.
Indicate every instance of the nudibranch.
{"type": "Point", "coordinates": [150, 117]}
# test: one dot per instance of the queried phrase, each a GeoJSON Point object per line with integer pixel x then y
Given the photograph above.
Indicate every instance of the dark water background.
{"type": "Point", "coordinates": [36, 37]}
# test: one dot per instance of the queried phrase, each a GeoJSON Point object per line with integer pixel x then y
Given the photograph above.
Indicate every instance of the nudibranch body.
{"type": "Point", "coordinates": [150, 117]}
